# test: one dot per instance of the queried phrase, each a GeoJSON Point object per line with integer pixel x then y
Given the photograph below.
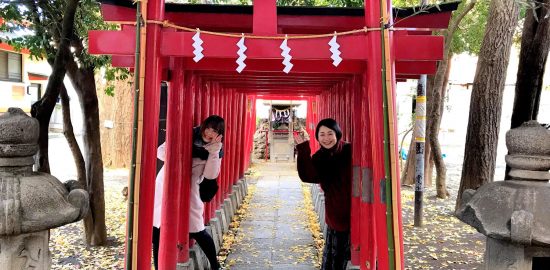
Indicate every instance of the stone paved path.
{"type": "Point", "coordinates": [274, 235]}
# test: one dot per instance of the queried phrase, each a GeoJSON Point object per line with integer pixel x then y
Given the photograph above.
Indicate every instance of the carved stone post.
{"type": "Point", "coordinates": [515, 214]}
{"type": "Point", "coordinates": [31, 203]}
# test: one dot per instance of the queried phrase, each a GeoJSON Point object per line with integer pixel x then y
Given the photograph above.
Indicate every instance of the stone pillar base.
{"type": "Point", "coordinates": [195, 256]}
{"type": "Point", "coordinates": [220, 214]}
{"type": "Point", "coordinates": [501, 255]}
{"type": "Point", "coordinates": [212, 231]}
{"type": "Point", "coordinates": [237, 190]}
{"type": "Point", "coordinates": [245, 182]}
{"type": "Point", "coordinates": [228, 208]}
{"type": "Point", "coordinates": [352, 267]}
{"type": "Point", "coordinates": [234, 204]}
{"type": "Point", "coordinates": [216, 225]}
{"type": "Point", "coordinates": [25, 251]}
{"type": "Point", "coordinates": [186, 266]}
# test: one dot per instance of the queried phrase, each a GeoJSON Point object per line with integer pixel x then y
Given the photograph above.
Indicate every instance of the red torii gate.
{"type": "Point", "coordinates": [352, 93]}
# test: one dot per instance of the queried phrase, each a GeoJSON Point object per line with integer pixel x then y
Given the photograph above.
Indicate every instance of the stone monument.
{"type": "Point", "coordinates": [515, 214]}
{"type": "Point", "coordinates": [31, 203]}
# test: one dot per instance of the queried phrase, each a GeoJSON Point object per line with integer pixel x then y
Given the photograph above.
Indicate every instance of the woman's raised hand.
{"type": "Point", "coordinates": [215, 145]}
{"type": "Point", "coordinates": [298, 139]}
{"type": "Point", "coordinates": [217, 139]}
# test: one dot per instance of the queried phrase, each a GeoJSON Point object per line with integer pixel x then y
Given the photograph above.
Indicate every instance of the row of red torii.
{"type": "Point", "coordinates": [378, 46]}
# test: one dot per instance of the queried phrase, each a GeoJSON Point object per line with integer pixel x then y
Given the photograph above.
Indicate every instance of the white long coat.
{"type": "Point", "coordinates": [200, 169]}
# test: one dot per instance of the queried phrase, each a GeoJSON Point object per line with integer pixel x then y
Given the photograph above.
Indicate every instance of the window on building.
{"type": "Point", "coordinates": [11, 66]}
{"type": "Point", "coordinates": [35, 91]}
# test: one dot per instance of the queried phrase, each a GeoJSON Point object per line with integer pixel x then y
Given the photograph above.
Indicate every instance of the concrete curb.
{"type": "Point", "coordinates": [352, 267]}
{"type": "Point", "coordinates": [215, 237]}
{"type": "Point", "coordinates": [228, 209]}
{"type": "Point", "coordinates": [220, 214]}
{"type": "Point", "coordinates": [195, 256]}
{"type": "Point", "coordinates": [234, 202]}
{"type": "Point", "coordinates": [186, 265]}
{"type": "Point", "coordinates": [237, 191]}
{"type": "Point", "coordinates": [216, 224]}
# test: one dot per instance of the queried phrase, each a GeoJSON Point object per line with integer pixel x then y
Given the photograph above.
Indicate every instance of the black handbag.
{"type": "Point", "coordinates": [208, 189]}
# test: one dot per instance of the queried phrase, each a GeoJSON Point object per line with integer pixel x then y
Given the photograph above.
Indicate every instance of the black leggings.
{"type": "Point", "coordinates": [337, 250]}
{"type": "Point", "coordinates": [156, 240]}
{"type": "Point", "coordinates": [204, 240]}
{"type": "Point", "coordinates": [206, 243]}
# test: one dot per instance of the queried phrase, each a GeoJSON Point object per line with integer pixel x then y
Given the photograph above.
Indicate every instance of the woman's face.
{"type": "Point", "coordinates": [327, 137]}
{"type": "Point", "coordinates": [209, 134]}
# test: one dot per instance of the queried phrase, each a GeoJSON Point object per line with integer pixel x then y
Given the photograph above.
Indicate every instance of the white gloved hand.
{"type": "Point", "coordinates": [213, 147]}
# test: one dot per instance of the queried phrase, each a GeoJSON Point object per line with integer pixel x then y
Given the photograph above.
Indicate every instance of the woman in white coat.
{"type": "Point", "coordinates": [206, 163]}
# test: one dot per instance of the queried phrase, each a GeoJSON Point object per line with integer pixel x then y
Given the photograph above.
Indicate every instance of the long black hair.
{"type": "Point", "coordinates": [329, 123]}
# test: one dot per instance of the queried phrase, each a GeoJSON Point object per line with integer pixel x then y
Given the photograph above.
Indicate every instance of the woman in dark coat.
{"type": "Point", "coordinates": [330, 167]}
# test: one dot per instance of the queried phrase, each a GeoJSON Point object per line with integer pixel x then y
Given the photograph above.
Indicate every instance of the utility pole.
{"type": "Point", "coordinates": [420, 139]}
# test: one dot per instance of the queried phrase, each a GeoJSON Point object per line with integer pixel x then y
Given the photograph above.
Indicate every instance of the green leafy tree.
{"type": "Point", "coordinates": [468, 35]}
{"type": "Point", "coordinates": [59, 31]}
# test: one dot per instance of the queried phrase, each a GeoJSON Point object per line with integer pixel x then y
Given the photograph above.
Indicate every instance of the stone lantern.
{"type": "Point", "coordinates": [515, 214]}
{"type": "Point", "coordinates": [31, 203]}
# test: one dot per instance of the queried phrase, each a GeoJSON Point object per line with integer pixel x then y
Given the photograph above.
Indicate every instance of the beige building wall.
{"type": "Point", "coordinates": [19, 94]}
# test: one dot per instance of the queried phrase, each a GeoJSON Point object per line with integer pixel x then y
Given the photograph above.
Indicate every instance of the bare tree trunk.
{"type": "Point", "coordinates": [69, 135]}
{"type": "Point", "coordinates": [434, 108]}
{"type": "Point", "coordinates": [84, 83]}
{"type": "Point", "coordinates": [535, 43]}
{"type": "Point", "coordinates": [537, 103]}
{"type": "Point", "coordinates": [447, 74]}
{"type": "Point", "coordinates": [428, 165]}
{"type": "Point", "coordinates": [436, 103]}
{"type": "Point", "coordinates": [432, 128]}
{"type": "Point", "coordinates": [401, 165]}
{"type": "Point", "coordinates": [435, 112]}
{"type": "Point", "coordinates": [43, 108]}
{"type": "Point", "coordinates": [118, 109]}
{"type": "Point", "coordinates": [486, 101]}
{"type": "Point", "coordinates": [96, 233]}
{"type": "Point", "coordinates": [407, 176]}
{"type": "Point", "coordinates": [428, 156]}
{"type": "Point", "coordinates": [83, 80]}
{"type": "Point", "coordinates": [437, 155]}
